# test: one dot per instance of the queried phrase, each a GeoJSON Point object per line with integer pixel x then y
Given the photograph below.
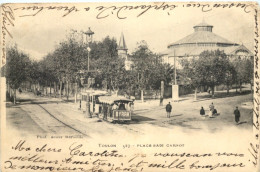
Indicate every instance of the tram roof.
{"type": "Point", "coordinates": [95, 92]}
{"type": "Point", "coordinates": [112, 99]}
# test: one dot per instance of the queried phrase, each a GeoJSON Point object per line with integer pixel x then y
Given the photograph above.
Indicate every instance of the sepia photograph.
{"type": "Point", "coordinates": [130, 87]}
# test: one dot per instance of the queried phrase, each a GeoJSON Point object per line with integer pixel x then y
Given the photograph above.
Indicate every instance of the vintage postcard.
{"type": "Point", "coordinates": [130, 87]}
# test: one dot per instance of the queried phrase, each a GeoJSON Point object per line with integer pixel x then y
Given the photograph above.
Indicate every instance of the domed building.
{"type": "Point", "coordinates": [200, 40]}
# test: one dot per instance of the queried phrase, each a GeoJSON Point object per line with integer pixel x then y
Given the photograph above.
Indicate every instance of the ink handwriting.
{"type": "Point", "coordinates": [7, 20]}
{"type": "Point", "coordinates": [254, 146]}
{"type": "Point", "coordinates": [122, 11]}
{"type": "Point", "coordinates": [35, 10]}
{"type": "Point", "coordinates": [78, 157]}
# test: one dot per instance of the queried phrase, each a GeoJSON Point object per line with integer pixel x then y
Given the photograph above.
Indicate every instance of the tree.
{"type": "Point", "coordinates": [212, 65]}
{"type": "Point", "coordinates": [230, 76]}
{"type": "Point", "coordinates": [109, 68]}
{"type": "Point", "coordinates": [17, 68]}
{"type": "Point", "coordinates": [149, 69]}
{"type": "Point", "coordinates": [192, 75]}
{"type": "Point", "coordinates": [208, 69]}
{"type": "Point", "coordinates": [249, 72]}
{"type": "Point", "coordinates": [244, 69]}
{"type": "Point", "coordinates": [64, 64]}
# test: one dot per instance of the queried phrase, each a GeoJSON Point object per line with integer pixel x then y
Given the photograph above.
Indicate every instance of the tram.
{"type": "Point", "coordinates": [116, 108]}
{"type": "Point", "coordinates": [91, 96]}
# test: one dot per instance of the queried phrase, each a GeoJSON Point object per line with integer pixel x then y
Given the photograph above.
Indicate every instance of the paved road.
{"type": "Point", "coordinates": [40, 115]}
{"type": "Point", "coordinates": [51, 115]}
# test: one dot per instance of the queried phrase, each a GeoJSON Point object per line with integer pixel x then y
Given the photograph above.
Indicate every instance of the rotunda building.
{"type": "Point", "coordinates": [202, 39]}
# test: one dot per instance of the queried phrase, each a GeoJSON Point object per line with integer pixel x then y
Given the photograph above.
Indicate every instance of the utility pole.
{"type": "Point", "coordinates": [162, 93]}
{"type": "Point", "coordinates": [175, 81]}
{"type": "Point", "coordinates": [175, 87]}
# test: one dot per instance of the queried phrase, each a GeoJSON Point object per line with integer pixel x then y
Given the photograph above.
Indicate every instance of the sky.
{"type": "Point", "coordinates": [40, 34]}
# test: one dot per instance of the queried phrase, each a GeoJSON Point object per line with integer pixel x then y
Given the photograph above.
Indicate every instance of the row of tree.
{"type": "Point", "coordinates": [214, 68]}
{"type": "Point", "coordinates": [62, 68]}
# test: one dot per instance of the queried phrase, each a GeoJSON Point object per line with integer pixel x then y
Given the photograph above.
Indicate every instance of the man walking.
{"type": "Point", "coordinates": [202, 111]}
{"type": "Point", "coordinates": [237, 115]}
{"type": "Point", "coordinates": [169, 110]}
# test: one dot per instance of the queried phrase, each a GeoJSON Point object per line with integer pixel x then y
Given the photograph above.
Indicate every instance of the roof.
{"type": "Point", "coordinates": [95, 92]}
{"type": "Point", "coordinates": [197, 50]}
{"type": "Point", "coordinates": [202, 37]}
{"type": "Point", "coordinates": [89, 32]}
{"type": "Point", "coordinates": [241, 47]}
{"type": "Point", "coordinates": [203, 24]}
{"type": "Point", "coordinates": [122, 44]}
{"type": "Point", "coordinates": [112, 99]}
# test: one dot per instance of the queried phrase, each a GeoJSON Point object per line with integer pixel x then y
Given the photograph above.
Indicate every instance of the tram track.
{"type": "Point", "coordinates": [66, 125]}
{"type": "Point", "coordinates": [49, 121]}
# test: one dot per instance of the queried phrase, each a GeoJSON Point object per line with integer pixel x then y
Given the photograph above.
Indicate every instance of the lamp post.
{"type": "Point", "coordinates": [89, 36]}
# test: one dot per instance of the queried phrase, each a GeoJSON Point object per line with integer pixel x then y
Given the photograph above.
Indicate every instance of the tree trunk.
{"type": "Point", "coordinates": [50, 88]}
{"type": "Point", "coordinates": [46, 88]}
{"type": "Point", "coordinates": [142, 96]}
{"type": "Point", "coordinates": [195, 93]}
{"type": "Point", "coordinates": [67, 90]}
{"type": "Point", "coordinates": [76, 92]}
{"type": "Point", "coordinates": [236, 86]}
{"type": "Point", "coordinates": [9, 90]}
{"type": "Point", "coordinates": [64, 89]}
{"type": "Point", "coordinates": [240, 87]}
{"type": "Point", "coordinates": [227, 89]}
{"type": "Point", "coordinates": [60, 88]}
{"type": "Point", "coordinates": [55, 89]}
{"type": "Point", "coordinates": [14, 96]}
{"type": "Point", "coordinates": [213, 91]}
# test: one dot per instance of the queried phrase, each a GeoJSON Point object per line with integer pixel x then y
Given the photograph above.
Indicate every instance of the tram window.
{"type": "Point", "coordinates": [121, 106]}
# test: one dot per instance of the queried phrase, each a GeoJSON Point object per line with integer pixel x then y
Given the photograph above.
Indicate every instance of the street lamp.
{"type": "Point", "coordinates": [89, 37]}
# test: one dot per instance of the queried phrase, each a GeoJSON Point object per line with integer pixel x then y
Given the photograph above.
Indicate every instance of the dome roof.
{"type": "Point", "coordinates": [202, 37]}
{"type": "Point", "coordinates": [202, 34]}
{"type": "Point", "coordinates": [203, 24]}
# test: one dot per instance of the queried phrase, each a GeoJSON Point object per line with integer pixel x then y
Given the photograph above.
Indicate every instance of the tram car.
{"type": "Point", "coordinates": [95, 107]}
{"type": "Point", "coordinates": [116, 108]}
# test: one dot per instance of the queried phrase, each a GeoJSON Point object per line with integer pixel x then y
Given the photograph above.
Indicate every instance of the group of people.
{"type": "Point", "coordinates": [108, 110]}
{"type": "Point", "coordinates": [213, 111]}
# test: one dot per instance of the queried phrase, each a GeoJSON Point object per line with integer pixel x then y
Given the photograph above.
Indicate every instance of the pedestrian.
{"type": "Point", "coordinates": [211, 109]}
{"type": "Point", "coordinates": [169, 110]}
{"type": "Point", "coordinates": [202, 111]}
{"type": "Point", "coordinates": [215, 112]}
{"type": "Point", "coordinates": [105, 109]}
{"type": "Point", "coordinates": [114, 107]}
{"type": "Point", "coordinates": [237, 115]}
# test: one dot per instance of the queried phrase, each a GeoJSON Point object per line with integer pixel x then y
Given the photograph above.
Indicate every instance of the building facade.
{"type": "Point", "coordinates": [202, 39]}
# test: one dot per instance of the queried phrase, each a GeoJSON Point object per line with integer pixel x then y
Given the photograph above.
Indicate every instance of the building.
{"type": "Point", "coordinates": [122, 52]}
{"type": "Point", "coordinates": [200, 40]}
